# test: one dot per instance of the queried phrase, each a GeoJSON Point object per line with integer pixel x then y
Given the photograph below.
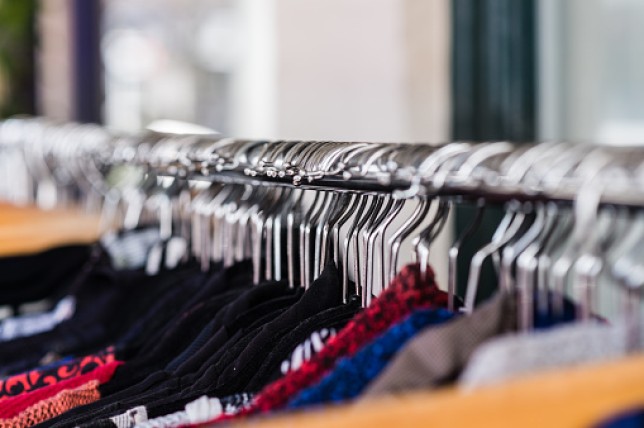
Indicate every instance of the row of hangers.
{"type": "Point", "coordinates": [570, 219]}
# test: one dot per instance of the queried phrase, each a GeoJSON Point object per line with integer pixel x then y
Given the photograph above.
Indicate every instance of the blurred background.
{"type": "Point", "coordinates": [377, 70]}
{"type": "Point", "coordinates": [429, 70]}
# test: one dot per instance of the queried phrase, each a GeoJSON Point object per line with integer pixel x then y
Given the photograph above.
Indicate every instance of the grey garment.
{"type": "Point", "coordinates": [510, 356]}
{"type": "Point", "coordinates": [438, 354]}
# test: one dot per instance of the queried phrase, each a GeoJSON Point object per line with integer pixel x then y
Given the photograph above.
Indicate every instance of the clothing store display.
{"type": "Point", "coordinates": [438, 355]}
{"type": "Point", "coordinates": [352, 374]}
{"type": "Point", "coordinates": [408, 291]}
{"type": "Point", "coordinates": [155, 353]}
{"type": "Point", "coordinates": [265, 282]}
{"type": "Point", "coordinates": [324, 295]}
{"type": "Point", "coordinates": [239, 313]}
{"type": "Point", "coordinates": [160, 384]}
{"type": "Point", "coordinates": [569, 397]}
{"type": "Point", "coordinates": [93, 325]}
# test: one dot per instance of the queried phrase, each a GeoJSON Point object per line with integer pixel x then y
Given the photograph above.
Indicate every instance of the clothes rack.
{"type": "Point", "coordinates": [496, 171]}
{"type": "Point", "coordinates": [239, 277]}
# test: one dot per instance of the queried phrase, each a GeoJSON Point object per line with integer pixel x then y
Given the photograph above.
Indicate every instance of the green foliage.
{"type": "Point", "coordinates": [17, 47]}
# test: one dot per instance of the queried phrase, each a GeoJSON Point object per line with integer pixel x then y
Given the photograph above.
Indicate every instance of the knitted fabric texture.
{"type": "Point", "coordinates": [55, 373]}
{"type": "Point", "coordinates": [54, 406]}
{"type": "Point", "coordinates": [437, 355]}
{"type": "Point", "coordinates": [352, 375]}
{"type": "Point", "coordinates": [511, 356]}
{"type": "Point", "coordinates": [405, 293]}
{"type": "Point", "coordinates": [12, 407]}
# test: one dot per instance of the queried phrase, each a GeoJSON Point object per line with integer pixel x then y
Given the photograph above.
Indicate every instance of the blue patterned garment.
{"type": "Point", "coordinates": [351, 375]}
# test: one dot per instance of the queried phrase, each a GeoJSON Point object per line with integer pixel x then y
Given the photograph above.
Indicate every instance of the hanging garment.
{"type": "Point", "coordinates": [144, 365]}
{"type": "Point", "coordinates": [42, 277]}
{"type": "Point", "coordinates": [407, 292]}
{"type": "Point", "coordinates": [159, 348]}
{"type": "Point", "coordinates": [350, 375]}
{"type": "Point", "coordinates": [251, 324]}
{"type": "Point", "coordinates": [206, 408]}
{"type": "Point", "coordinates": [93, 326]}
{"type": "Point", "coordinates": [516, 355]}
{"type": "Point", "coordinates": [575, 397]}
{"type": "Point", "coordinates": [54, 406]}
{"type": "Point", "coordinates": [327, 294]}
{"type": "Point", "coordinates": [437, 355]}
{"type": "Point", "coordinates": [35, 290]}
{"type": "Point", "coordinates": [12, 407]}
{"type": "Point", "coordinates": [162, 384]}
{"type": "Point", "coordinates": [210, 379]}
{"type": "Point", "coordinates": [53, 374]}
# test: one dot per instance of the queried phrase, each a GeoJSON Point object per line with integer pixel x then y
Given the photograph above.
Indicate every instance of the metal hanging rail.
{"type": "Point", "coordinates": [496, 171]}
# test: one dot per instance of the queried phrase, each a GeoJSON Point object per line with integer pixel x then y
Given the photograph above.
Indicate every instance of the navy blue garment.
{"type": "Point", "coordinates": [546, 317]}
{"type": "Point", "coordinates": [633, 419]}
{"type": "Point", "coordinates": [351, 375]}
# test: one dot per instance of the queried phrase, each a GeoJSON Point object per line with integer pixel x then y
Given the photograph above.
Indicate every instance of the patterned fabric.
{"type": "Point", "coordinates": [55, 373]}
{"type": "Point", "coordinates": [54, 406]}
{"type": "Point", "coordinates": [28, 325]}
{"type": "Point", "coordinates": [131, 417]}
{"type": "Point", "coordinates": [198, 411]}
{"type": "Point", "coordinates": [305, 350]}
{"type": "Point", "coordinates": [405, 293]}
{"type": "Point", "coordinates": [175, 419]}
{"type": "Point", "coordinates": [352, 375]}
{"type": "Point", "coordinates": [11, 407]}
{"type": "Point", "coordinates": [233, 404]}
